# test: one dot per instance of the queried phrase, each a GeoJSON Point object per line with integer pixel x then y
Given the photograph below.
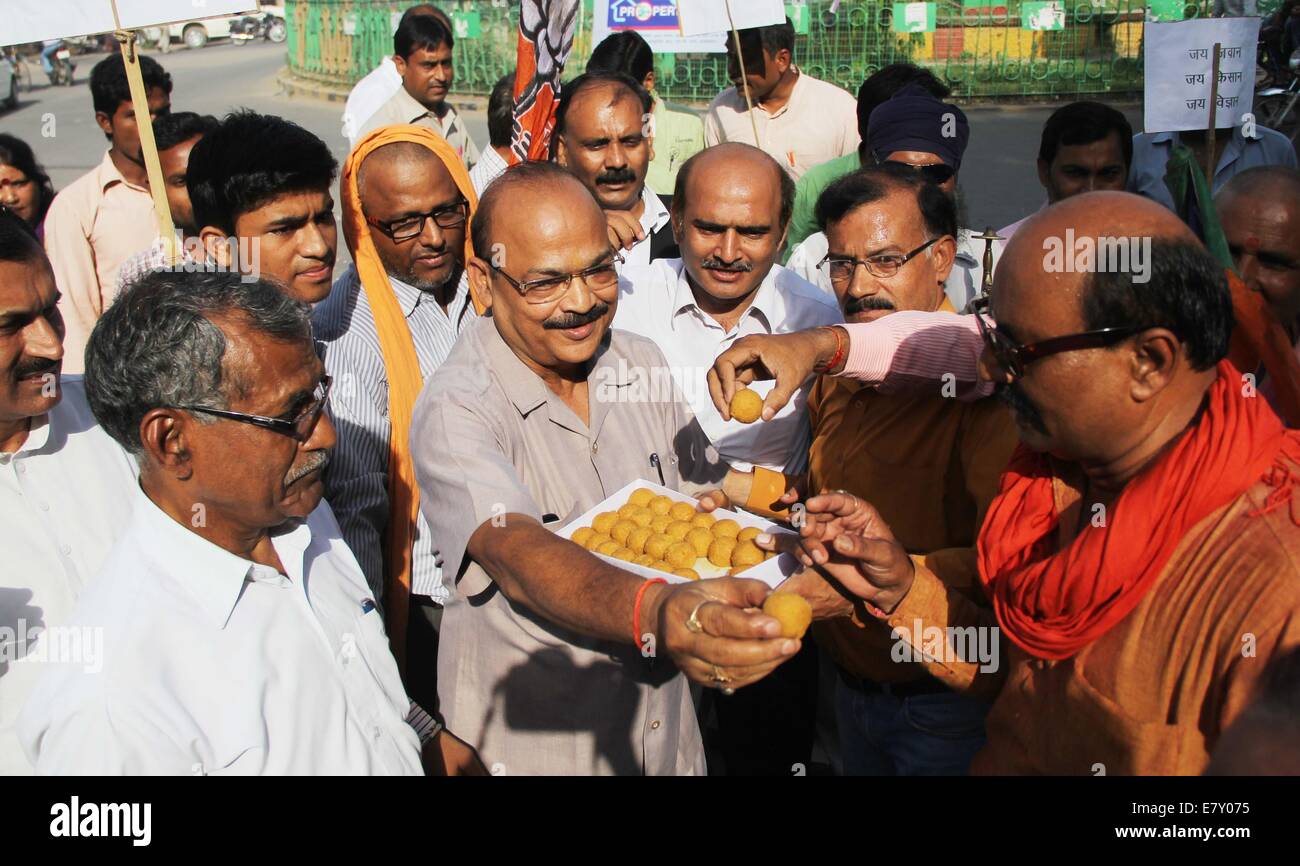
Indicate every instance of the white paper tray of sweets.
{"type": "Point", "coordinates": [771, 572]}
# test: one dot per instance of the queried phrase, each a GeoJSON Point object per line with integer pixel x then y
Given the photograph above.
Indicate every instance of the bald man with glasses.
{"type": "Point", "coordinates": [552, 661]}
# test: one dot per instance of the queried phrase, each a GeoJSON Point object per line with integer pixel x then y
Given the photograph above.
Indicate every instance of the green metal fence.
{"type": "Point", "coordinates": [982, 48]}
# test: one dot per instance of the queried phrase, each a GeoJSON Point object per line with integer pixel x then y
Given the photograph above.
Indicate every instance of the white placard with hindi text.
{"type": "Point", "coordinates": [710, 16]}
{"type": "Point", "coordinates": [1179, 66]}
{"type": "Point", "coordinates": [38, 20]}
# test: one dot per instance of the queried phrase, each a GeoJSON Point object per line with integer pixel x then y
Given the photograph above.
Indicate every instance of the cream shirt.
{"type": "Point", "coordinates": [818, 123]}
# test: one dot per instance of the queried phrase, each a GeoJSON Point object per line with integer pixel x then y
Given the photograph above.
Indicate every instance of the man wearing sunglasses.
{"type": "Point", "coordinates": [238, 633]}
{"type": "Point", "coordinates": [393, 316]}
{"type": "Point", "coordinates": [540, 412]}
{"type": "Point", "coordinates": [916, 130]}
{"type": "Point", "coordinates": [1140, 557]}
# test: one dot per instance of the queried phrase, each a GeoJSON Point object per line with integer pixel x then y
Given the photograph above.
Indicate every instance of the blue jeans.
{"type": "Point", "coordinates": [919, 735]}
{"type": "Point", "coordinates": [47, 57]}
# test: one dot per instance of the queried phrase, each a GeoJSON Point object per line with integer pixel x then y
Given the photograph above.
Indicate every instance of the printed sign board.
{"type": "Point", "coordinates": [1180, 64]}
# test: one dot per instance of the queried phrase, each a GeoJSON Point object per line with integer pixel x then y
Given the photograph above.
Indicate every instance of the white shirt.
{"type": "Point", "coordinates": [654, 217]}
{"type": "Point", "coordinates": [489, 167]}
{"type": "Point", "coordinates": [212, 664]}
{"type": "Point", "coordinates": [65, 497]}
{"type": "Point", "coordinates": [368, 95]}
{"type": "Point", "coordinates": [965, 282]}
{"type": "Point", "coordinates": [657, 302]}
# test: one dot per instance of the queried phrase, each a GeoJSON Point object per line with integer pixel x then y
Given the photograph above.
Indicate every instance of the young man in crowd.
{"type": "Point", "coordinates": [106, 215]}
{"type": "Point", "coordinates": [260, 186]}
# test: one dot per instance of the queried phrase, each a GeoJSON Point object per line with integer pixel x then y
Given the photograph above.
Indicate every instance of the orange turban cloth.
{"type": "Point", "coordinates": [401, 365]}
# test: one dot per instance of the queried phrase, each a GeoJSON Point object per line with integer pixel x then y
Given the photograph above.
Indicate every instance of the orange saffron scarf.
{"type": "Point", "coordinates": [1053, 602]}
{"type": "Point", "coordinates": [401, 365]}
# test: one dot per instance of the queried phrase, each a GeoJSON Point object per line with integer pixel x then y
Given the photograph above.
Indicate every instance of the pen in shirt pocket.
{"type": "Point", "coordinates": [658, 467]}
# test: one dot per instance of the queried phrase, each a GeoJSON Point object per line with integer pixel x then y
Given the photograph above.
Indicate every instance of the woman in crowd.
{"type": "Point", "coordinates": [25, 188]}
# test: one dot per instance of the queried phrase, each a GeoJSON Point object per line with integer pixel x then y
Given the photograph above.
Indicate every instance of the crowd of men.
{"type": "Point", "coordinates": [267, 518]}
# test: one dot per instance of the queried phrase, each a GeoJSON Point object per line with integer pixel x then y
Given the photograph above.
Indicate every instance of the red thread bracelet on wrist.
{"type": "Point", "coordinates": [839, 350]}
{"type": "Point", "coordinates": [636, 608]}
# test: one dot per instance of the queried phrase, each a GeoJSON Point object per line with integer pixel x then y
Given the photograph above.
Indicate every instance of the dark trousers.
{"type": "Point", "coordinates": [918, 729]}
{"type": "Point", "coordinates": [767, 729]}
{"type": "Point", "coordinates": [422, 652]}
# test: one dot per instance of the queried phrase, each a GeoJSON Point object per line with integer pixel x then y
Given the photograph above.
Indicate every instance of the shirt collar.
{"type": "Point", "coordinates": [409, 298]}
{"type": "Point", "coordinates": [655, 216]}
{"type": "Point", "coordinates": [795, 93]}
{"type": "Point", "coordinates": [766, 305]}
{"type": "Point", "coordinates": [212, 576]}
{"type": "Point", "coordinates": [413, 110]}
{"type": "Point", "coordinates": [107, 175]}
{"type": "Point", "coordinates": [523, 387]}
{"type": "Point", "coordinates": [38, 436]}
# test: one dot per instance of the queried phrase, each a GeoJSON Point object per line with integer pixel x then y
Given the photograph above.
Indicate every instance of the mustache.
{"type": "Point", "coordinates": [867, 303]}
{"type": "Point", "coordinates": [617, 175]}
{"type": "Point", "coordinates": [713, 263]}
{"type": "Point", "coordinates": [565, 321]}
{"type": "Point", "coordinates": [314, 460]}
{"type": "Point", "coordinates": [36, 367]}
{"type": "Point", "coordinates": [1014, 399]}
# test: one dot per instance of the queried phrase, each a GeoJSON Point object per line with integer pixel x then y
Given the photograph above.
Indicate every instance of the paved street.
{"type": "Point", "coordinates": [998, 179]}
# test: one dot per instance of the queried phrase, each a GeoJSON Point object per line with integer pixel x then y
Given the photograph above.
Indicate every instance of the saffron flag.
{"type": "Point", "coordinates": [546, 29]}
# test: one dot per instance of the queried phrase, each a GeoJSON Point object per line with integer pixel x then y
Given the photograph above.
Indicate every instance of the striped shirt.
{"type": "Point", "coordinates": [356, 482]}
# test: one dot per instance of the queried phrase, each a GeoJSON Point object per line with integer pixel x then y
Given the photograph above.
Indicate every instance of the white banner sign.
{"type": "Point", "coordinates": [1180, 65]}
{"type": "Point", "coordinates": [37, 20]}
{"type": "Point", "coordinates": [658, 23]}
{"type": "Point", "coordinates": [710, 16]}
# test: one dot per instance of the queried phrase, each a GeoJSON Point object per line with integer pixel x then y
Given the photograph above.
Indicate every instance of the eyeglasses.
{"type": "Point", "coordinates": [550, 289]}
{"type": "Point", "coordinates": [1013, 357]}
{"type": "Point", "coordinates": [841, 268]}
{"type": "Point", "coordinates": [406, 228]}
{"type": "Point", "coordinates": [300, 428]}
{"type": "Point", "coordinates": [935, 173]}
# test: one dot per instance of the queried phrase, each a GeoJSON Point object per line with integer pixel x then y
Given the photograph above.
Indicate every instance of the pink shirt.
{"type": "Point", "coordinates": [909, 350]}
{"type": "Point", "coordinates": [92, 226]}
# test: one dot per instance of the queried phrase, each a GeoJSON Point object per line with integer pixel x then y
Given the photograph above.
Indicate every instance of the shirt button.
{"type": "Point", "coordinates": [66, 548]}
{"type": "Point", "coordinates": [595, 447]}
{"type": "Point", "coordinates": [376, 732]}
{"type": "Point", "coordinates": [45, 506]}
{"type": "Point", "coordinates": [654, 726]}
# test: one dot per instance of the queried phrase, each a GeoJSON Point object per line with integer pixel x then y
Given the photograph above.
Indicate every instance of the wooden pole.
{"type": "Point", "coordinates": [744, 79]}
{"type": "Point", "coordinates": [149, 148]}
{"type": "Point", "coordinates": [1209, 135]}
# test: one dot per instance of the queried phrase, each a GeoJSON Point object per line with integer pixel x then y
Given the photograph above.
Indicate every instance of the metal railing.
{"type": "Point", "coordinates": [982, 48]}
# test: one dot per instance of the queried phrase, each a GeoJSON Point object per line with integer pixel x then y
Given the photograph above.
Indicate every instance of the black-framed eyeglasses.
{"type": "Point", "coordinates": [300, 428]}
{"type": "Point", "coordinates": [408, 227]}
{"type": "Point", "coordinates": [550, 289]}
{"type": "Point", "coordinates": [1013, 357]}
{"type": "Point", "coordinates": [840, 268]}
{"type": "Point", "coordinates": [936, 173]}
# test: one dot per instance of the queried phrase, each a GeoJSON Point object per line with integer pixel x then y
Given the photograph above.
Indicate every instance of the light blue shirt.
{"type": "Point", "coordinates": [1151, 153]}
{"type": "Point", "coordinates": [356, 481]}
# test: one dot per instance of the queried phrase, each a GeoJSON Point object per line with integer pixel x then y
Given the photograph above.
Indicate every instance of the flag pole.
{"type": "Point", "coordinates": [744, 79]}
{"type": "Point", "coordinates": [149, 148]}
